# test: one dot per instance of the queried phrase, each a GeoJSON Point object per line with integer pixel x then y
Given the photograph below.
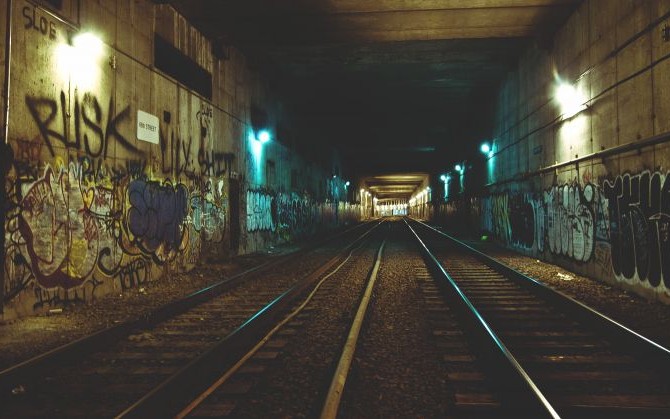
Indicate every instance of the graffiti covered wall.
{"type": "Point", "coordinates": [120, 175]}
{"type": "Point", "coordinates": [617, 230]}
{"type": "Point", "coordinates": [585, 186]}
{"type": "Point", "coordinates": [92, 209]}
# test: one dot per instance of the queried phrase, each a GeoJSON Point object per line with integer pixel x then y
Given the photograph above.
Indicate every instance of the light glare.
{"type": "Point", "coordinates": [263, 136]}
{"type": "Point", "coordinates": [485, 148]}
{"type": "Point", "coordinates": [87, 44]}
{"type": "Point", "coordinates": [569, 99]}
{"type": "Point", "coordinates": [78, 63]}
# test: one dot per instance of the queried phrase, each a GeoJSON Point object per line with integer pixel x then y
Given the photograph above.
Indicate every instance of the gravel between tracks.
{"type": "Point", "coordinates": [397, 370]}
{"type": "Point", "coordinates": [296, 386]}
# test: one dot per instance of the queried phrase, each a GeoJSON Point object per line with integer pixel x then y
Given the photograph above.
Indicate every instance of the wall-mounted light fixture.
{"type": "Point", "coordinates": [445, 179]}
{"type": "Point", "coordinates": [570, 99]}
{"type": "Point", "coordinates": [263, 136]}
{"type": "Point", "coordinates": [487, 149]}
{"type": "Point", "coordinates": [78, 59]}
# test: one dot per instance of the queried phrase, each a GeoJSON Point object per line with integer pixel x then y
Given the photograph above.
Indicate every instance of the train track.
{"type": "Point", "coordinates": [228, 395]}
{"type": "Point", "coordinates": [545, 354]}
{"type": "Point", "coordinates": [153, 366]}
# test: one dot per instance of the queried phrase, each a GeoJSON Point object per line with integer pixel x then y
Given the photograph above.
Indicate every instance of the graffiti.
{"type": "Point", "coordinates": [260, 211]}
{"type": "Point", "coordinates": [90, 133]}
{"type": "Point", "coordinates": [521, 221]}
{"type": "Point", "coordinates": [603, 260]}
{"type": "Point", "coordinates": [294, 215]}
{"type": "Point", "coordinates": [570, 220]}
{"type": "Point", "coordinates": [92, 170]}
{"type": "Point", "coordinates": [516, 219]}
{"type": "Point", "coordinates": [176, 156]}
{"type": "Point", "coordinates": [639, 211]}
{"type": "Point", "coordinates": [500, 218]}
{"type": "Point", "coordinates": [214, 163]}
{"type": "Point", "coordinates": [49, 297]}
{"type": "Point", "coordinates": [65, 229]}
{"type": "Point", "coordinates": [41, 24]}
{"type": "Point", "coordinates": [134, 274]}
{"type": "Point", "coordinates": [622, 228]}
{"type": "Point", "coordinates": [27, 153]}
{"type": "Point", "coordinates": [54, 224]}
{"type": "Point", "coordinates": [156, 217]}
{"type": "Point", "coordinates": [17, 272]}
{"type": "Point", "coordinates": [207, 213]}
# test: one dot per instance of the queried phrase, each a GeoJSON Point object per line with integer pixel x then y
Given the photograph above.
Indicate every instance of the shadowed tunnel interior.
{"type": "Point", "coordinates": [395, 86]}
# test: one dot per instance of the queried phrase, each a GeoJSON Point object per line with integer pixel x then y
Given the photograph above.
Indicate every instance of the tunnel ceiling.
{"type": "Point", "coordinates": [395, 85]}
{"type": "Point", "coordinates": [393, 185]}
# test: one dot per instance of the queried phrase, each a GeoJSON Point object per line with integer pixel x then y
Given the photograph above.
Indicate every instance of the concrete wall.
{"type": "Point", "coordinates": [606, 215]}
{"type": "Point", "coordinates": [93, 209]}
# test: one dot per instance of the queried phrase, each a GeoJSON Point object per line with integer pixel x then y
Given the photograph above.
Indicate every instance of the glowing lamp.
{"type": "Point", "coordinates": [263, 136]}
{"type": "Point", "coordinates": [485, 148]}
{"type": "Point", "coordinates": [458, 168]}
{"type": "Point", "coordinates": [569, 99]}
{"type": "Point", "coordinates": [87, 44]}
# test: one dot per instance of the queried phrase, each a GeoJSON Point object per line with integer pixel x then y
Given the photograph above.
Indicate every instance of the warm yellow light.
{"type": "Point", "coordinates": [87, 44]}
{"type": "Point", "coordinates": [79, 63]}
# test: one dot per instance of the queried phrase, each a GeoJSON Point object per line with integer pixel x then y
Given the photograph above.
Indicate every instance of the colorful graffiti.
{"type": "Point", "coordinates": [260, 209]}
{"type": "Point", "coordinates": [295, 215]}
{"type": "Point", "coordinates": [567, 219]}
{"type": "Point", "coordinates": [156, 217]}
{"type": "Point", "coordinates": [85, 213]}
{"type": "Point", "coordinates": [65, 228]}
{"type": "Point", "coordinates": [621, 227]}
{"type": "Point", "coordinates": [516, 219]}
{"type": "Point", "coordinates": [208, 214]}
{"type": "Point", "coordinates": [570, 220]}
{"type": "Point", "coordinates": [639, 211]}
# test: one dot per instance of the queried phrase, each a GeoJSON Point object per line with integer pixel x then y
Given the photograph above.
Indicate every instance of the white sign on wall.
{"type": "Point", "coordinates": [147, 127]}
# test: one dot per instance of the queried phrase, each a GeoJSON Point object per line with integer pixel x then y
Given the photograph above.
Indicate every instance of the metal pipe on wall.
{"type": "Point", "coordinates": [5, 151]}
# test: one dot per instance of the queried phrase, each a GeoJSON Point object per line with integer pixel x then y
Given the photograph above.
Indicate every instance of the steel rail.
{"type": "Point", "coordinates": [177, 391]}
{"type": "Point", "coordinates": [71, 352]}
{"type": "Point", "coordinates": [521, 397]}
{"type": "Point", "coordinates": [635, 343]}
{"type": "Point", "coordinates": [336, 389]}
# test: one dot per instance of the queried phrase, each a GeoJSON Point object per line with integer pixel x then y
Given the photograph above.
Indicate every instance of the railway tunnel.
{"type": "Point", "coordinates": [159, 156]}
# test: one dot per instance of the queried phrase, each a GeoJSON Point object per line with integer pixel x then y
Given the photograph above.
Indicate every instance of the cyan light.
{"type": "Point", "coordinates": [443, 178]}
{"type": "Point", "coordinates": [458, 168]}
{"type": "Point", "coordinates": [263, 136]}
{"type": "Point", "coordinates": [347, 183]}
{"type": "Point", "coordinates": [485, 148]}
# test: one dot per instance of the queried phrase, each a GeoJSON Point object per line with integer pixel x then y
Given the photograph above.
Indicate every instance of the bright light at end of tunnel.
{"type": "Point", "coordinates": [570, 99]}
